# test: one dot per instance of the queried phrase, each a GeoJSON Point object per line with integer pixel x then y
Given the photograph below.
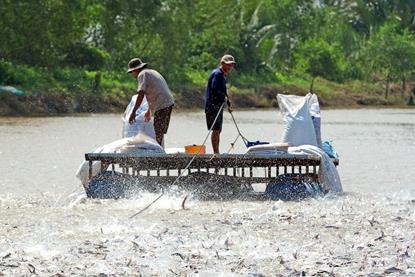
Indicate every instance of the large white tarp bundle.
{"type": "Point", "coordinates": [328, 176]}
{"type": "Point", "coordinates": [301, 116]}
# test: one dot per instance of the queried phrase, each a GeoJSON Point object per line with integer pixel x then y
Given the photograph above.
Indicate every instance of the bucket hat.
{"type": "Point", "coordinates": [135, 64]}
{"type": "Point", "coordinates": [228, 59]}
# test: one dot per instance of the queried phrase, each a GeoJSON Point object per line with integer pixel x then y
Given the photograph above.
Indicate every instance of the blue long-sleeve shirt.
{"type": "Point", "coordinates": [216, 92]}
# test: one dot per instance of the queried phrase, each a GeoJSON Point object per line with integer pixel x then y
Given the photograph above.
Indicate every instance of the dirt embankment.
{"type": "Point", "coordinates": [55, 103]}
{"type": "Point", "coordinates": [58, 103]}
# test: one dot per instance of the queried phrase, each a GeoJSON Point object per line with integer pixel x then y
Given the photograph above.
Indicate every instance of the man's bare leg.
{"type": "Point", "coordinates": [159, 138]}
{"type": "Point", "coordinates": [215, 141]}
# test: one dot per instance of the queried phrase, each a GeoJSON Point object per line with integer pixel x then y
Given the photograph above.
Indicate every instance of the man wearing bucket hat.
{"type": "Point", "coordinates": [160, 100]}
{"type": "Point", "coordinates": [216, 95]}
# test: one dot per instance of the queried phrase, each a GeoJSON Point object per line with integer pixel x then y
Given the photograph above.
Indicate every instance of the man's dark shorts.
{"type": "Point", "coordinates": [210, 118]}
{"type": "Point", "coordinates": [162, 120]}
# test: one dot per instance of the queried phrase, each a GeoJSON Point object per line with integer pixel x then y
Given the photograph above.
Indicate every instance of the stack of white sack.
{"type": "Point", "coordinates": [138, 137]}
{"type": "Point", "coordinates": [139, 144]}
{"type": "Point", "coordinates": [301, 117]}
{"type": "Point", "coordinates": [132, 129]}
{"type": "Point", "coordinates": [268, 149]}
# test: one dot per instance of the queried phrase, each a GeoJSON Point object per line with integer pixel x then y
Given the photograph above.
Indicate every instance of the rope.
{"type": "Point", "coordinates": [187, 166]}
{"type": "Point", "coordinates": [239, 132]}
{"type": "Point", "coordinates": [233, 144]}
{"type": "Point", "coordinates": [244, 139]}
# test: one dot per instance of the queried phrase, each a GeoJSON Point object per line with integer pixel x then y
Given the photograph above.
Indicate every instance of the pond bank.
{"type": "Point", "coordinates": [56, 103]}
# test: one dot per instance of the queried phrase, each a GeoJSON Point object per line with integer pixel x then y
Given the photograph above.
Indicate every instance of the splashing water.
{"type": "Point", "coordinates": [47, 228]}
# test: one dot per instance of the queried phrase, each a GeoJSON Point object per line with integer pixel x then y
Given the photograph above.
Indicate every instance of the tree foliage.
{"type": "Point", "coordinates": [318, 58]}
{"type": "Point", "coordinates": [336, 40]}
{"type": "Point", "coordinates": [390, 53]}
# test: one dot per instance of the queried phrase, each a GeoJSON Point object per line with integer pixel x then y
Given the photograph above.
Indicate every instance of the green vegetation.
{"type": "Point", "coordinates": [348, 52]}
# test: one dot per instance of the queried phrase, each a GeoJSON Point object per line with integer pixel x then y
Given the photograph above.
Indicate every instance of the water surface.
{"type": "Point", "coordinates": [47, 226]}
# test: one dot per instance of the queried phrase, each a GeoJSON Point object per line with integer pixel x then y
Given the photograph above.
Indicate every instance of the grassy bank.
{"type": "Point", "coordinates": [61, 91]}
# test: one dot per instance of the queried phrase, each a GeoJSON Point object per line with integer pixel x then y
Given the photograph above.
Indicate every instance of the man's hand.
{"type": "Point", "coordinates": [229, 105]}
{"type": "Point", "coordinates": [140, 97]}
{"type": "Point", "coordinates": [147, 116]}
{"type": "Point", "coordinates": [131, 120]}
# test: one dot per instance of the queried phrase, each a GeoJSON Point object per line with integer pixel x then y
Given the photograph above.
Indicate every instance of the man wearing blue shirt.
{"type": "Point", "coordinates": [216, 95]}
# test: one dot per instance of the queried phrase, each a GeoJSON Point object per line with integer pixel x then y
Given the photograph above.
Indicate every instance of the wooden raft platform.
{"type": "Point", "coordinates": [246, 168]}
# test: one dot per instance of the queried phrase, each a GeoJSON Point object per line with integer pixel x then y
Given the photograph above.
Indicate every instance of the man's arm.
{"type": "Point", "coordinates": [220, 86]}
{"type": "Point", "coordinates": [140, 97]}
{"type": "Point", "coordinates": [228, 102]}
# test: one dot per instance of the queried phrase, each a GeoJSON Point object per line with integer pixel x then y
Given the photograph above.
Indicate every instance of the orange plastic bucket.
{"type": "Point", "coordinates": [195, 149]}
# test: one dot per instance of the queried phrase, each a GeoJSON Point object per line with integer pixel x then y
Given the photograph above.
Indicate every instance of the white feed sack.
{"type": "Point", "coordinates": [314, 107]}
{"type": "Point", "coordinates": [298, 123]}
{"type": "Point", "coordinates": [139, 126]}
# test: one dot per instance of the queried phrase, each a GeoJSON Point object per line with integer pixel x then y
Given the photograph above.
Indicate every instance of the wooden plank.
{"type": "Point", "coordinates": [165, 161]}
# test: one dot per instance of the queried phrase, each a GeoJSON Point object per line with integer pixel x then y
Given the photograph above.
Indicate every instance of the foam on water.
{"type": "Point", "coordinates": [351, 234]}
